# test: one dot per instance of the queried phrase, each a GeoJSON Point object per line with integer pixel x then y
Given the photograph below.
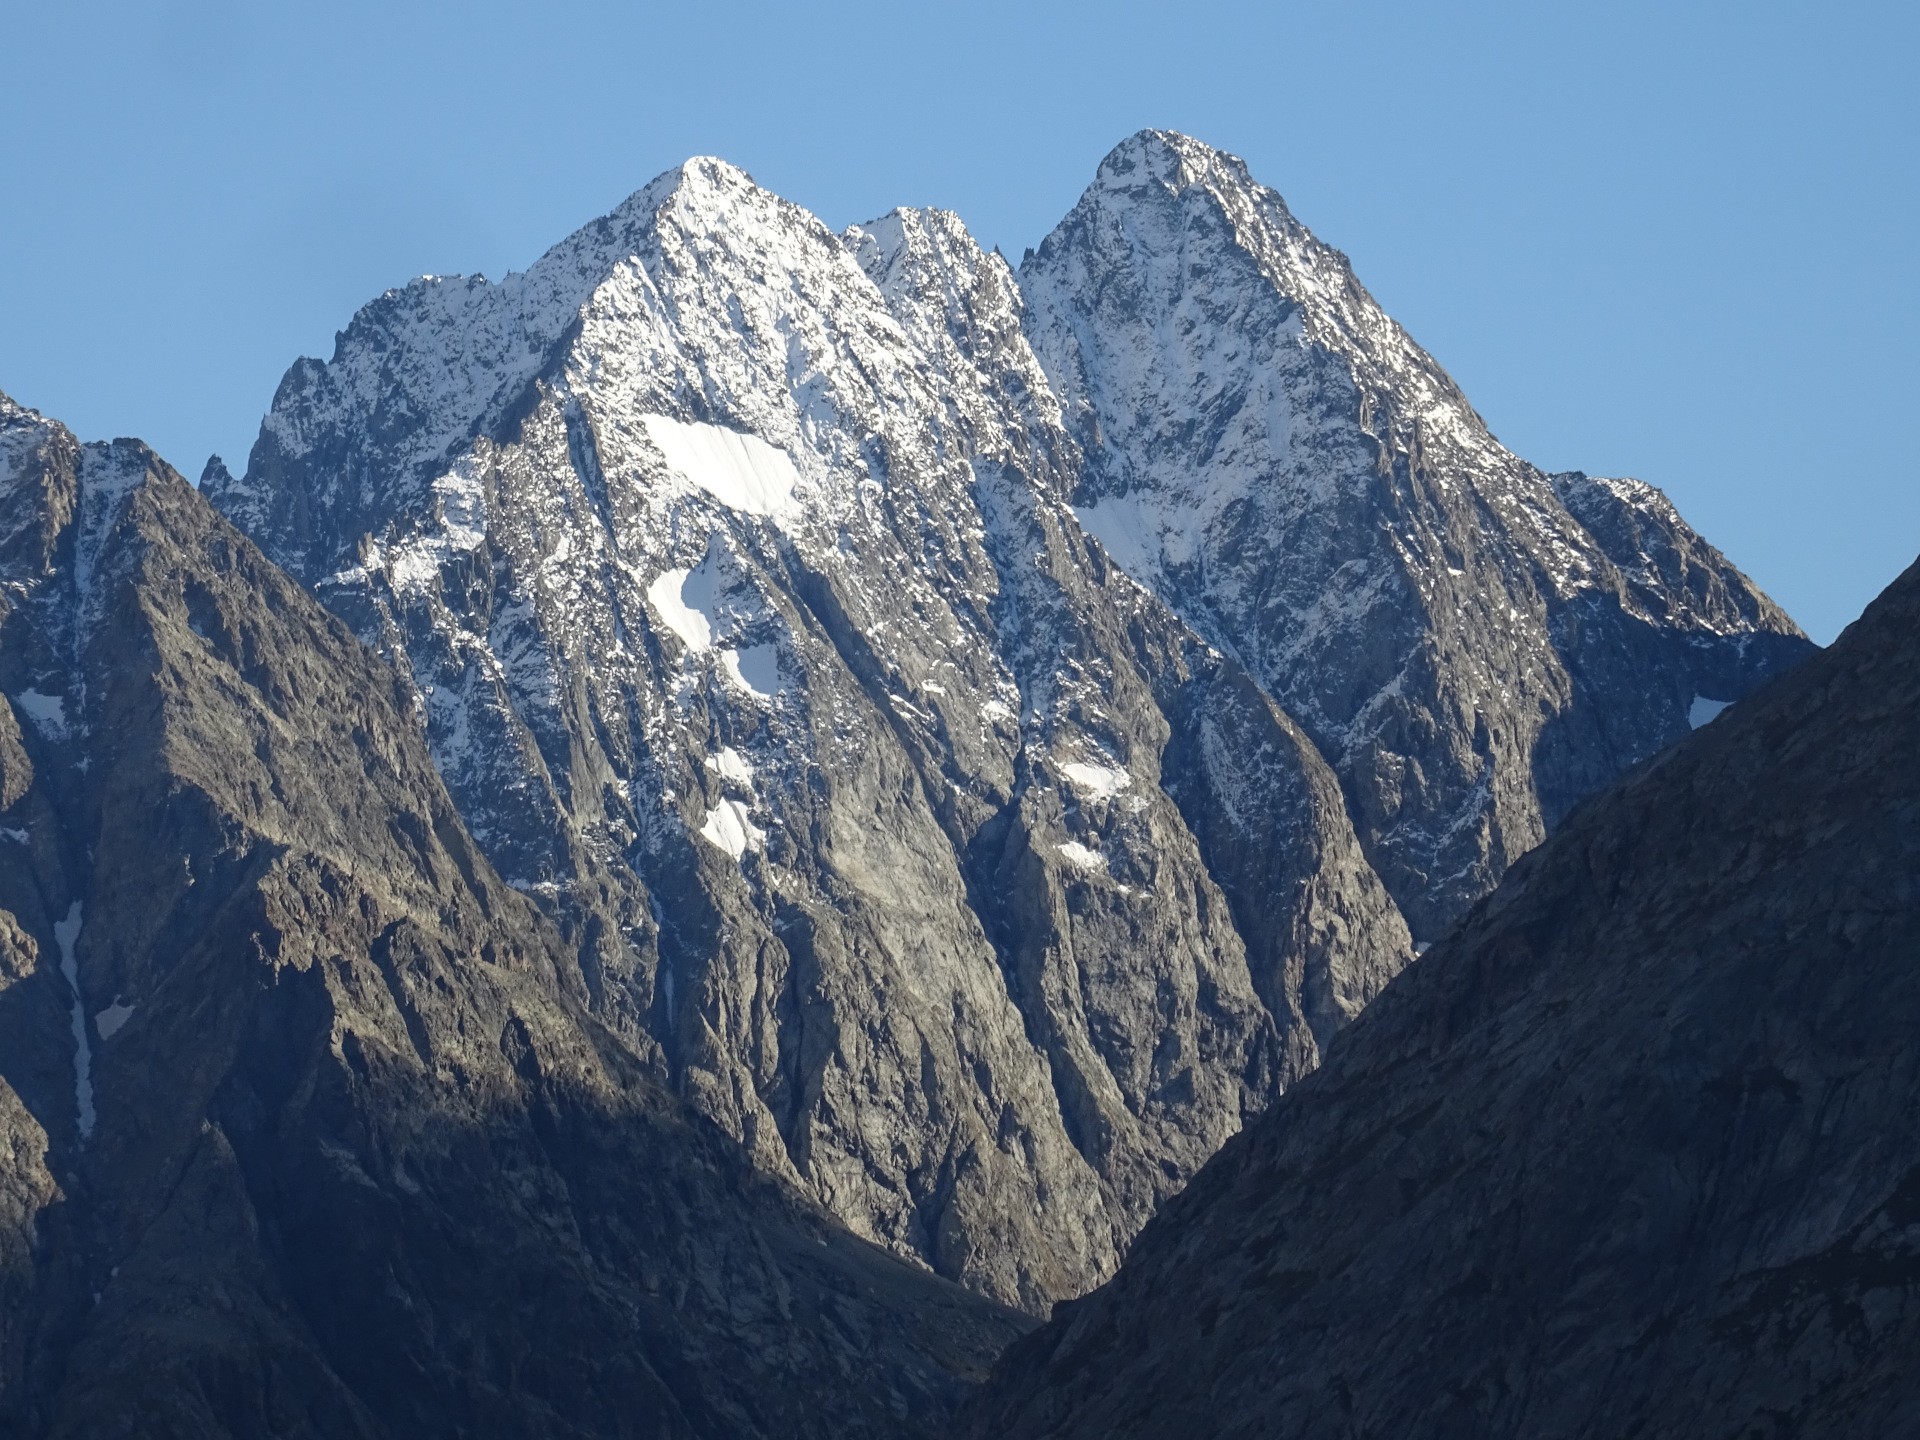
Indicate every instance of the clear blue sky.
{"type": "Point", "coordinates": [1670, 240]}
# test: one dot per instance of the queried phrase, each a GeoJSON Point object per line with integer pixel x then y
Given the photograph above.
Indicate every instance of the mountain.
{"type": "Point", "coordinates": [1635, 1151]}
{"type": "Point", "coordinates": [754, 635]}
{"type": "Point", "coordinates": [1472, 644]}
{"type": "Point", "coordinates": [979, 860]}
{"type": "Point", "coordinates": [306, 1123]}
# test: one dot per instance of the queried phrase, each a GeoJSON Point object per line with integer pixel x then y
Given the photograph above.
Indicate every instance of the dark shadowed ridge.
{"type": "Point", "coordinates": [1635, 1151]}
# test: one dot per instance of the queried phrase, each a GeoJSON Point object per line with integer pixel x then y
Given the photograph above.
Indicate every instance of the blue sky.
{"type": "Point", "coordinates": [1669, 240]}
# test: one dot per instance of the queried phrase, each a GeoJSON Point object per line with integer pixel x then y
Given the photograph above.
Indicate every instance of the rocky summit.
{"type": "Point", "coordinates": [979, 737]}
{"type": "Point", "coordinates": [1634, 1151]}
{"type": "Point", "coordinates": [308, 1126]}
{"type": "Point", "coordinates": [1471, 644]}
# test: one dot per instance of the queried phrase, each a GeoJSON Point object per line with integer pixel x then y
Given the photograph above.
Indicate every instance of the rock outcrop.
{"type": "Point", "coordinates": [1634, 1151]}
{"type": "Point", "coordinates": [307, 1125]}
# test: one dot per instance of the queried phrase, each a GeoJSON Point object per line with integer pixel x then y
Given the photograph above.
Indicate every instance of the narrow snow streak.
{"type": "Point", "coordinates": [66, 932]}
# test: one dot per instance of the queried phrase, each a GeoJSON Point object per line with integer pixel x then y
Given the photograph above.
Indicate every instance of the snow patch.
{"type": "Point", "coordinates": [729, 828]}
{"type": "Point", "coordinates": [109, 1020]}
{"type": "Point", "coordinates": [65, 933]}
{"type": "Point", "coordinates": [755, 669]}
{"type": "Point", "coordinates": [730, 764]}
{"type": "Point", "coordinates": [671, 602]}
{"type": "Point", "coordinates": [1702, 710]}
{"type": "Point", "coordinates": [1126, 533]}
{"type": "Point", "coordinates": [743, 472]}
{"type": "Point", "coordinates": [462, 498]}
{"type": "Point", "coordinates": [1074, 853]}
{"type": "Point", "coordinates": [460, 505]}
{"type": "Point", "coordinates": [1102, 782]}
{"type": "Point", "coordinates": [48, 712]}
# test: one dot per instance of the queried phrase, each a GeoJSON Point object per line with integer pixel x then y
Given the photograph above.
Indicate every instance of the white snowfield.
{"type": "Point", "coordinates": [729, 827]}
{"type": "Point", "coordinates": [730, 764]}
{"type": "Point", "coordinates": [668, 595]}
{"type": "Point", "coordinates": [47, 712]}
{"type": "Point", "coordinates": [756, 670]}
{"type": "Point", "coordinates": [1102, 782]}
{"type": "Point", "coordinates": [1703, 710]}
{"type": "Point", "coordinates": [110, 1020]}
{"type": "Point", "coordinates": [1083, 857]}
{"type": "Point", "coordinates": [741, 471]}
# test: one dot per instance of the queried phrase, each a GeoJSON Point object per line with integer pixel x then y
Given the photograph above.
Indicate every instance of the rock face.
{"type": "Point", "coordinates": [1472, 644]}
{"type": "Point", "coordinates": [942, 864]}
{"type": "Point", "coordinates": [973, 871]}
{"type": "Point", "coordinates": [1635, 1151]}
{"type": "Point", "coordinates": [306, 1123]}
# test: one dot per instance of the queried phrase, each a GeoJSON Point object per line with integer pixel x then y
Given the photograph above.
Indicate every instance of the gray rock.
{"type": "Point", "coordinates": [1634, 1151]}
{"type": "Point", "coordinates": [933, 780]}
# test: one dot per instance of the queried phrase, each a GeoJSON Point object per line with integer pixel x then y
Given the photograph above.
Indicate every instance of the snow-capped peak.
{"type": "Point", "coordinates": [1172, 160]}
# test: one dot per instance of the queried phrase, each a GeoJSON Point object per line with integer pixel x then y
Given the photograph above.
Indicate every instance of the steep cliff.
{"type": "Point", "coordinates": [965, 735]}
{"type": "Point", "coordinates": [732, 562]}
